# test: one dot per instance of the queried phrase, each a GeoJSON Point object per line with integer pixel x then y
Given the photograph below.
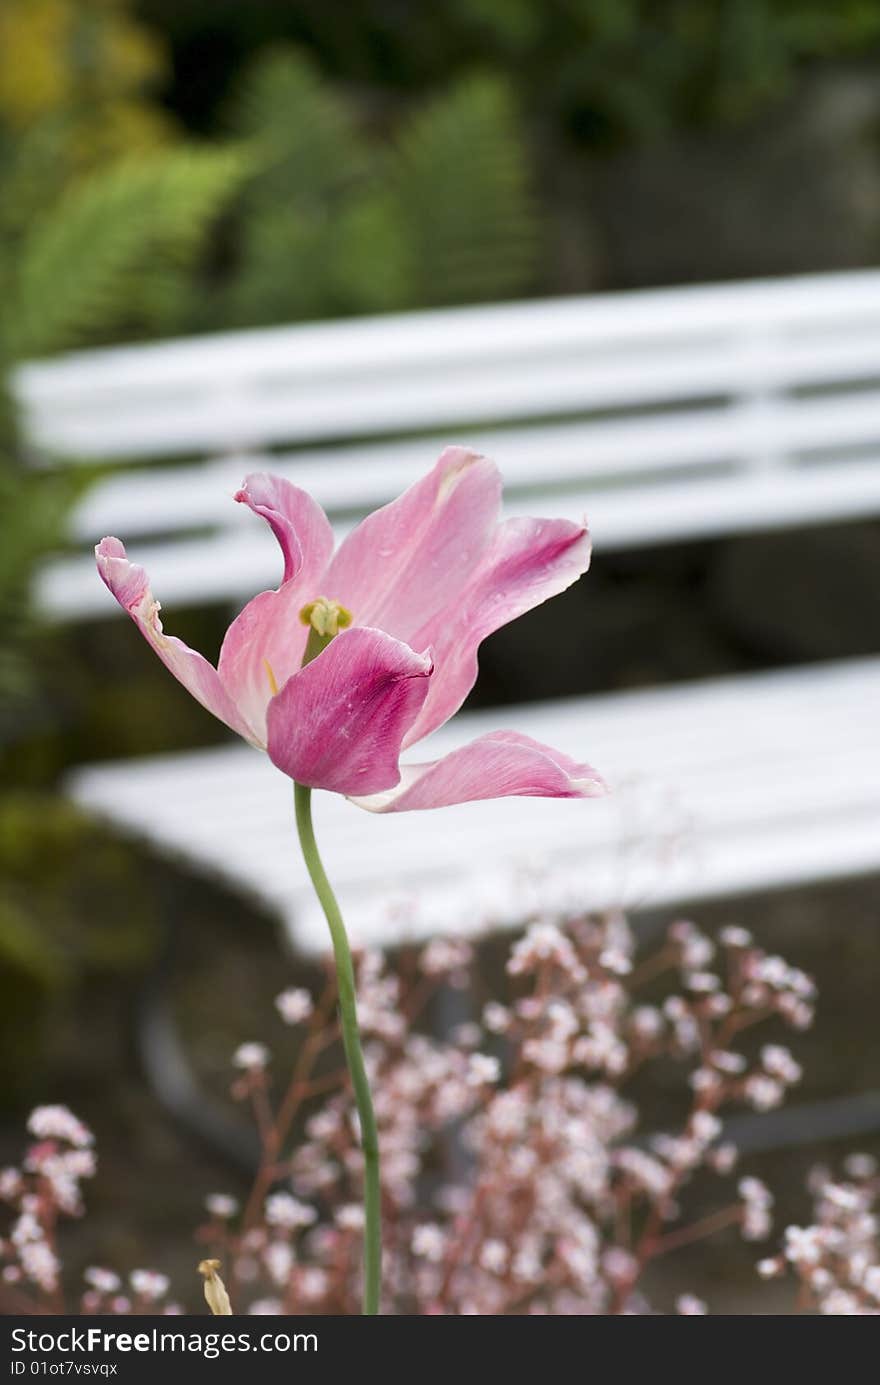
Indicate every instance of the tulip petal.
{"type": "Point", "coordinates": [529, 561]}
{"type": "Point", "coordinates": [131, 587]}
{"type": "Point", "coordinates": [265, 643]}
{"type": "Point", "coordinates": [405, 564]}
{"type": "Point", "coordinates": [297, 521]}
{"type": "Point", "coordinates": [338, 723]}
{"type": "Point", "coordinates": [501, 764]}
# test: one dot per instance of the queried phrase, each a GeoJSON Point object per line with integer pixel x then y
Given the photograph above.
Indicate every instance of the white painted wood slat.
{"type": "Point", "coordinates": [831, 304]}
{"type": "Point", "coordinates": [719, 787]}
{"type": "Point", "coordinates": [454, 368]}
{"type": "Point", "coordinates": [747, 406]}
{"type": "Point", "coordinates": [235, 563]}
{"type": "Point", "coordinates": [357, 479]}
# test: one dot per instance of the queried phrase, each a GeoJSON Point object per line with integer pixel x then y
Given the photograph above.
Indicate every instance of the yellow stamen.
{"type": "Point", "coordinates": [273, 682]}
{"type": "Point", "coordinates": [326, 617]}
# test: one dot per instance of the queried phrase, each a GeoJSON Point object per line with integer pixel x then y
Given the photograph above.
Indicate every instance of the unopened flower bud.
{"type": "Point", "coordinates": [215, 1290]}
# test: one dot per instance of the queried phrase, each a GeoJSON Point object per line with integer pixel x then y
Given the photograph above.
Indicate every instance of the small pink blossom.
{"type": "Point", "coordinates": [288, 1212]}
{"type": "Point", "coordinates": [11, 1184]}
{"type": "Point", "coordinates": [221, 1205]}
{"type": "Point", "coordinates": [294, 1005]}
{"type": "Point", "coordinates": [763, 1093]}
{"type": "Point", "coordinates": [104, 1281]}
{"type": "Point", "coordinates": [149, 1284]}
{"type": "Point", "coordinates": [278, 1257]}
{"type": "Point", "coordinates": [311, 1283]}
{"type": "Point", "coordinates": [251, 1057]}
{"type": "Point", "coordinates": [266, 1308]}
{"type": "Point", "coordinates": [429, 1241]}
{"type": "Point", "coordinates": [40, 1264]}
{"type": "Point", "coordinates": [496, 1017]}
{"type": "Point", "coordinates": [735, 937]}
{"type": "Point", "coordinates": [494, 1256]}
{"type": "Point", "coordinates": [350, 1217]}
{"type": "Point", "coordinates": [444, 955]}
{"type": "Point", "coordinates": [59, 1123]}
{"type": "Point", "coordinates": [688, 1306]}
{"type": "Point", "coordinates": [778, 1062]}
{"type": "Point", "coordinates": [482, 1069]}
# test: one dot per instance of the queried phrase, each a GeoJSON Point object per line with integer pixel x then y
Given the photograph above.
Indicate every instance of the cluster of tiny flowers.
{"type": "Point", "coordinates": [146, 1292]}
{"type": "Point", "coordinates": [757, 1204]}
{"type": "Point", "coordinates": [516, 1177]}
{"type": "Point", "coordinates": [37, 1195]}
{"type": "Point", "coordinates": [836, 1259]}
{"type": "Point", "coordinates": [58, 1123]}
{"type": "Point", "coordinates": [44, 1189]}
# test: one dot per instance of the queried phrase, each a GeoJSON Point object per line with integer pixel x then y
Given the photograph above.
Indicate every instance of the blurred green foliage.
{"type": "Point", "coordinates": [338, 219]}
{"type": "Point", "coordinates": [639, 69]}
{"type": "Point", "coordinates": [77, 267]}
{"type": "Point", "coordinates": [601, 71]}
{"type": "Point", "coordinates": [90, 62]}
{"type": "Point", "coordinates": [70, 908]}
{"type": "Point", "coordinates": [79, 270]}
{"type": "Point", "coordinates": [100, 208]}
{"type": "Point", "coordinates": [100, 212]}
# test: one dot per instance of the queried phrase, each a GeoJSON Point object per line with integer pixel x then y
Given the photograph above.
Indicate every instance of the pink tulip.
{"type": "Point", "coordinates": [425, 580]}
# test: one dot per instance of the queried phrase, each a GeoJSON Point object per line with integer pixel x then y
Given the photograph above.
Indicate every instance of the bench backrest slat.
{"type": "Point", "coordinates": [658, 412]}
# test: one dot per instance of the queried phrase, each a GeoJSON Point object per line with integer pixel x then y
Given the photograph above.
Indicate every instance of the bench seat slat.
{"type": "Point", "coordinates": [673, 807]}
{"type": "Point", "coordinates": [715, 782]}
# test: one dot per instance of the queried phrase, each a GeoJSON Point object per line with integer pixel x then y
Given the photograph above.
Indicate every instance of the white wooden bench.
{"type": "Point", "coordinates": [665, 415]}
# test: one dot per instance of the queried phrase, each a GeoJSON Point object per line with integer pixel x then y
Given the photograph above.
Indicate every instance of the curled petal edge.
{"type": "Point", "coordinates": [500, 764]}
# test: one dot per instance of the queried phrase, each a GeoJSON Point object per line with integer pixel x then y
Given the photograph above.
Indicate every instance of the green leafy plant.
{"type": "Point", "coordinates": [99, 209]}
{"type": "Point", "coordinates": [73, 268]}
{"type": "Point", "coordinates": [73, 272]}
{"type": "Point", "coordinates": [460, 181]}
{"type": "Point", "coordinates": [77, 269]}
{"type": "Point", "coordinates": [602, 71]}
{"type": "Point", "coordinates": [633, 69]}
{"type": "Point", "coordinates": [72, 905]}
{"type": "Point", "coordinates": [338, 220]}
{"type": "Point", "coordinates": [91, 61]}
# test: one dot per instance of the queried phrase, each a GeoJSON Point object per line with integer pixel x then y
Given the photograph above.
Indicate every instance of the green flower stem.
{"type": "Point", "coordinates": [352, 1042]}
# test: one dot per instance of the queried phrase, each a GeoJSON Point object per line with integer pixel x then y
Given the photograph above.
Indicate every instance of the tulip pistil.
{"type": "Point", "coordinates": [325, 619]}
